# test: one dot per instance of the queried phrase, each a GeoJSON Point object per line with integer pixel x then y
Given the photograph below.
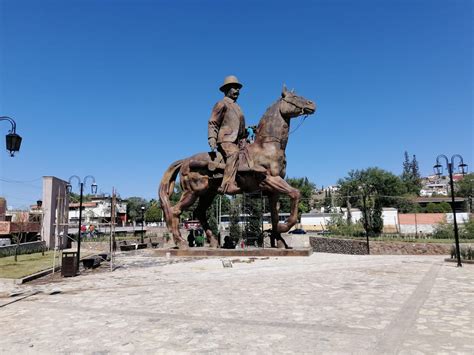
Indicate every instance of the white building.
{"type": "Point", "coordinates": [317, 221]}
{"type": "Point", "coordinates": [98, 211]}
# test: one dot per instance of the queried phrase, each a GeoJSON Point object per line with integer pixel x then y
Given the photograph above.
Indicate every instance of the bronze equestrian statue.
{"type": "Point", "coordinates": [262, 167]}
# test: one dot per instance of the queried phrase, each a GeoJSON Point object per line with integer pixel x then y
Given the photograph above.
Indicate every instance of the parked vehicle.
{"type": "Point", "coordinates": [297, 231]}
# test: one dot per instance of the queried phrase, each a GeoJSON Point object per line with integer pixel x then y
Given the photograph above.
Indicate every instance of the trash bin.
{"type": "Point", "coordinates": [69, 264]}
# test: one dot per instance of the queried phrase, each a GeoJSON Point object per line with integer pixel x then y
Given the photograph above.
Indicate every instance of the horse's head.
{"type": "Point", "coordinates": [292, 105]}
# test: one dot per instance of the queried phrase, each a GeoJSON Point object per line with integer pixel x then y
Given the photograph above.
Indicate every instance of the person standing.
{"type": "Point", "coordinates": [226, 130]}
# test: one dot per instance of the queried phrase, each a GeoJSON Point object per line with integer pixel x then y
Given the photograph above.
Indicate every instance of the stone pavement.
{"type": "Point", "coordinates": [325, 303]}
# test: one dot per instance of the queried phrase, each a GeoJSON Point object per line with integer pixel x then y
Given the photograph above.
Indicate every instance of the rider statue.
{"type": "Point", "coordinates": [226, 132]}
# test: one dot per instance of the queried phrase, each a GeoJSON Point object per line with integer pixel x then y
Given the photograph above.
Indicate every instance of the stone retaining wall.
{"type": "Point", "coordinates": [350, 246]}
{"type": "Point", "coordinates": [407, 248]}
{"type": "Point", "coordinates": [338, 246]}
{"type": "Point", "coordinates": [25, 248]}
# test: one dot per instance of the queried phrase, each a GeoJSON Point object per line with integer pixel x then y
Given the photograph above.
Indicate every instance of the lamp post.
{"type": "Point", "coordinates": [81, 189]}
{"type": "Point", "coordinates": [365, 189]}
{"type": "Point", "coordinates": [13, 139]}
{"type": "Point", "coordinates": [438, 168]}
{"type": "Point", "coordinates": [143, 222]}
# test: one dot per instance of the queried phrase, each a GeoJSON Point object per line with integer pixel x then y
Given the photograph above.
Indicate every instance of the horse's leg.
{"type": "Point", "coordinates": [276, 235]}
{"type": "Point", "coordinates": [277, 184]}
{"type": "Point", "coordinates": [186, 200]}
{"type": "Point", "coordinates": [205, 202]}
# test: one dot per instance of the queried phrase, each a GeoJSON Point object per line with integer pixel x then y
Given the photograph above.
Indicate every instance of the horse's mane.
{"type": "Point", "coordinates": [272, 110]}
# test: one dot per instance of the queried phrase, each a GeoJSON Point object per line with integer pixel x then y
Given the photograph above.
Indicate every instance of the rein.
{"type": "Point", "coordinates": [299, 125]}
{"type": "Point", "coordinates": [302, 111]}
{"type": "Point", "coordinates": [273, 139]}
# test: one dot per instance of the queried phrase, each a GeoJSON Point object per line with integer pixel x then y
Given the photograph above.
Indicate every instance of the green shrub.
{"type": "Point", "coordinates": [442, 207]}
{"type": "Point", "coordinates": [466, 251]}
{"type": "Point", "coordinates": [443, 231]}
{"type": "Point", "coordinates": [468, 229]}
{"type": "Point", "coordinates": [339, 226]}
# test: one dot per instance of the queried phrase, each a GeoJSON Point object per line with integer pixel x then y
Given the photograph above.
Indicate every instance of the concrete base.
{"type": "Point", "coordinates": [233, 252]}
{"type": "Point", "coordinates": [463, 261]}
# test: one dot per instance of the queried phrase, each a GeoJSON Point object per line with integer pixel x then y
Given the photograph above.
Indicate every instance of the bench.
{"type": "Point", "coordinates": [91, 262]}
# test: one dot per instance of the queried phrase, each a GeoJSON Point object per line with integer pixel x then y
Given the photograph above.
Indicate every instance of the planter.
{"type": "Point", "coordinates": [127, 247]}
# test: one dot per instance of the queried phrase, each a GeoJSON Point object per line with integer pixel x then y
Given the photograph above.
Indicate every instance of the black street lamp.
{"type": "Point", "coordinates": [366, 223]}
{"type": "Point", "coordinates": [12, 138]}
{"type": "Point", "coordinates": [438, 169]}
{"type": "Point", "coordinates": [365, 189]}
{"type": "Point", "coordinates": [81, 188]}
{"type": "Point", "coordinates": [143, 222]}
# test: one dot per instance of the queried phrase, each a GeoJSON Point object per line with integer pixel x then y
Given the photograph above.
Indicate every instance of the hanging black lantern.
{"type": "Point", "coordinates": [13, 143]}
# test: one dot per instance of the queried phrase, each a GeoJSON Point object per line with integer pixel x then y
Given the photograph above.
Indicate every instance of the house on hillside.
{"type": "Point", "coordinates": [15, 222]}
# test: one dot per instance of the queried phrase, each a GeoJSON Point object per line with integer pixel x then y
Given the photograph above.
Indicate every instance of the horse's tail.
{"type": "Point", "coordinates": [166, 189]}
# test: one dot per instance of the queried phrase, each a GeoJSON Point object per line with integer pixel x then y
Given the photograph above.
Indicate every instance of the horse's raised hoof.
{"type": "Point", "coordinates": [213, 243]}
{"type": "Point", "coordinates": [182, 245]}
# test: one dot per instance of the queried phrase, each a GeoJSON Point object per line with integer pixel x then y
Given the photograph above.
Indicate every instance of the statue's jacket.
{"type": "Point", "coordinates": [227, 122]}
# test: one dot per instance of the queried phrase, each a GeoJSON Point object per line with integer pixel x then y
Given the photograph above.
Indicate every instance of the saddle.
{"type": "Point", "coordinates": [216, 163]}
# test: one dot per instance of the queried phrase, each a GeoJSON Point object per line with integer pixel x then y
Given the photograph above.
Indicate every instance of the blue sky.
{"type": "Point", "coordinates": [120, 89]}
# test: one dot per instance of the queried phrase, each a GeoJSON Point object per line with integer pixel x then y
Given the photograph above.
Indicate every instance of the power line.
{"type": "Point", "coordinates": [20, 181]}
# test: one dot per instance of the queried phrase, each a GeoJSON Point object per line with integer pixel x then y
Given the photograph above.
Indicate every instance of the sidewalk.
{"type": "Point", "coordinates": [322, 303]}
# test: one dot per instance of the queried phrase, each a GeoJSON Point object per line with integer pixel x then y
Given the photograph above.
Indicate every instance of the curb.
{"type": "Point", "coordinates": [30, 277]}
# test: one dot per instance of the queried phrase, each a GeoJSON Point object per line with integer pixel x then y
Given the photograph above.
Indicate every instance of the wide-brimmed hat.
{"type": "Point", "coordinates": [230, 80]}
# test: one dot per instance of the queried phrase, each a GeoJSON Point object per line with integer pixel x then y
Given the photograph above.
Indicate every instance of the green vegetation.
{"type": "Point", "coordinates": [369, 190]}
{"type": "Point", "coordinates": [339, 226]}
{"type": "Point", "coordinates": [253, 208]}
{"type": "Point", "coordinates": [411, 177]}
{"type": "Point", "coordinates": [306, 189]}
{"type": "Point", "coordinates": [153, 212]}
{"type": "Point", "coordinates": [235, 231]}
{"type": "Point", "coordinates": [446, 231]}
{"type": "Point", "coordinates": [464, 187]}
{"type": "Point", "coordinates": [134, 205]}
{"type": "Point", "coordinates": [27, 264]}
{"type": "Point", "coordinates": [442, 207]}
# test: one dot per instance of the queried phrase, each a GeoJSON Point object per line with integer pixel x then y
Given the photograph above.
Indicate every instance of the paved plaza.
{"type": "Point", "coordinates": [325, 303]}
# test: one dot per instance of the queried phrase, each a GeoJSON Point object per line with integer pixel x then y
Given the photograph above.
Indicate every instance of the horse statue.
{"type": "Point", "coordinates": [262, 167]}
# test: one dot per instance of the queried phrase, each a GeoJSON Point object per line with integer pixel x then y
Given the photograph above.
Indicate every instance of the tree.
{"type": "Point", "coordinates": [464, 188]}
{"type": "Point", "coordinates": [327, 200]}
{"type": "Point", "coordinates": [134, 205]}
{"type": "Point", "coordinates": [411, 175]}
{"type": "Point", "coordinates": [21, 230]}
{"type": "Point", "coordinates": [377, 220]}
{"type": "Point", "coordinates": [442, 207]}
{"type": "Point", "coordinates": [212, 212]}
{"type": "Point", "coordinates": [375, 186]}
{"type": "Point", "coordinates": [253, 209]}
{"type": "Point", "coordinates": [234, 219]}
{"type": "Point", "coordinates": [153, 213]}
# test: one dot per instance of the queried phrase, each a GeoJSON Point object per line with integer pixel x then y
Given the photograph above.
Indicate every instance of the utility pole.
{"type": "Point", "coordinates": [112, 229]}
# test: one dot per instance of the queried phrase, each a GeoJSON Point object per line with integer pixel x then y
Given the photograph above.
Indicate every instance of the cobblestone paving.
{"type": "Point", "coordinates": [324, 303]}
